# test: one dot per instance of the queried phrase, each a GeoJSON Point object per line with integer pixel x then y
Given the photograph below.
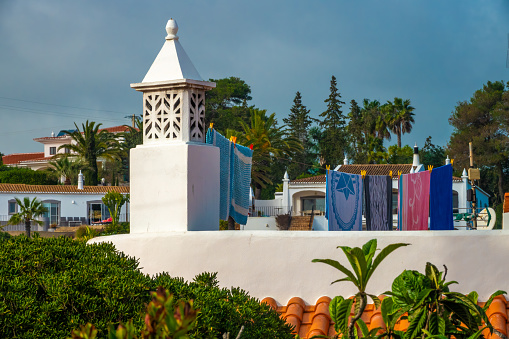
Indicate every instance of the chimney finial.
{"type": "Point", "coordinates": [172, 28]}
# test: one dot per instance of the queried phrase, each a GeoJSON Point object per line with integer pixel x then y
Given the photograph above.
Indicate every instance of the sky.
{"type": "Point", "coordinates": [65, 62]}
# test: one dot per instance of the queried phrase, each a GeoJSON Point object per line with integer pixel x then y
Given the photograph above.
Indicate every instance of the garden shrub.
{"type": "Point", "coordinates": [119, 228]}
{"type": "Point", "coordinates": [15, 175]}
{"type": "Point", "coordinates": [4, 235]}
{"type": "Point", "coordinates": [50, 286]}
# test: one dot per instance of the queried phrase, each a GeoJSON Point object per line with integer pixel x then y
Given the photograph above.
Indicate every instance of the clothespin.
{"type": "Point", "coordinates": [211, 126]}
{"type": "Point", "coordinates": [390, 174]}
{"type": "Point", "coordinates": [363, 174]}
{"type": "Point", "coordinates": [430, 168]}
{"type": "Point", "coordinates": [452, 162]}
{"type": "Point", "coordinates": [251, 147]}
{"type": "Point", "coordinates": [327, 167]}
{"type": "Point", "coordinates": [399, 174]}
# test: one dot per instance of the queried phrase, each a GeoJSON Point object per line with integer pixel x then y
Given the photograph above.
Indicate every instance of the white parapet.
{"type": "Point", "coordinates": [174, 187]}
{"type": "Point", "coordinates": [278, 263]}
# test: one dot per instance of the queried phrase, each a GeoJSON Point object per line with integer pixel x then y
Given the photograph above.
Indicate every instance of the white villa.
{"type": "Point", "coordinates": [39, 160]}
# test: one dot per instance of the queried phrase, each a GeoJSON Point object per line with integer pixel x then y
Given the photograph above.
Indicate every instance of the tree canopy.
{"type": "Point", "coordinates": [484, 121]}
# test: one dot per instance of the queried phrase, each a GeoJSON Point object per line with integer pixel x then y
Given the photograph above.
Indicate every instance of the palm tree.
{"type": "Point", "coordinates": [400, 117]}
{"type": "Point", "coordinates": [269, 142]}
{"type": "Point", "coordinates": [66, 168]}
{"type": "Point", "coordinates": [28, 211]}
{"type": "Point", "coordinates": [90, 144]}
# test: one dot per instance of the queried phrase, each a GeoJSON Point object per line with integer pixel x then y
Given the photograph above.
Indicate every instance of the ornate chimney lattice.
{"type": "Point", "coordinates": [197, 115]}
{"type": "Point", "coordinates": [162, 116]}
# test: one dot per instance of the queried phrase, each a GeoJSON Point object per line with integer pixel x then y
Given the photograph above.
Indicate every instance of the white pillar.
{"type": "Point", "coordinates": [286, 194]}
{"type": "Point", "coordinates": [174, 175]}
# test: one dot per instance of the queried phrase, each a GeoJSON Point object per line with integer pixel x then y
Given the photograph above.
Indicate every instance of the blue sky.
{"type": "Point", "coordinates": [69, 61]}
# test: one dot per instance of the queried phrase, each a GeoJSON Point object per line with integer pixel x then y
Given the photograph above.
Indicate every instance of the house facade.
{"type": "Point", "coordinates": [67, 205]}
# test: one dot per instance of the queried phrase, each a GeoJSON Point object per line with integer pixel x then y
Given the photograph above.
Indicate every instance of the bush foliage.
{"type": "Point", "coordinates": [15, 175]}
{"type": "Point", "coordinates": [50, 286]}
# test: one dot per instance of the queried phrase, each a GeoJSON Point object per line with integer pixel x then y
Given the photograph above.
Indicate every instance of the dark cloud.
{"type": "Point", "coordinates": [85, 54]}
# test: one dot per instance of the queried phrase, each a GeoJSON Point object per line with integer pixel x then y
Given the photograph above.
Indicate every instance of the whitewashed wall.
{"type": "Point", "coordinates": [278, 264]}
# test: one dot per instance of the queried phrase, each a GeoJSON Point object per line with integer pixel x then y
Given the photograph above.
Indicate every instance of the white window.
{"type": "Point", "coordinates": [13, 207]}
{"type": "Point", "coordinates": [53, 211]}
{"type": "Point", "coordinates": [52, 150]}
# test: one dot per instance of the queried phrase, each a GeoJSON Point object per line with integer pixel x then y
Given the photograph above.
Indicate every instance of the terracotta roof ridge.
{"type": "Point", "coordinates": [22, 153]}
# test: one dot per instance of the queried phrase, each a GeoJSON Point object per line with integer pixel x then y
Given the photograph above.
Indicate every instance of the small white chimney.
{"type": "Point", "coordinates": [416, 161]}
{"type": "Point", "coordinates": [52, 134]}
{"type": "Point", "coordinates": [345, 160]}
{"type": "Point", "coordinates": [447, 161]}
{"type": "Point", "coordinates": [80, 181]}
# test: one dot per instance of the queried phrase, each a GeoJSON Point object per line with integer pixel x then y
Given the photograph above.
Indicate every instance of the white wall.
{"type": "Point", "coordinates": [278, 264]}
{"type": "Point", "coordinates": [71, 205]}
{"type": "Point", "coordinates": [260, 224]}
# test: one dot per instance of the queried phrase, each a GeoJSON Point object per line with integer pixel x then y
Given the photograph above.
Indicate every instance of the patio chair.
{"type": "Point", "coordinates": [83, 220]}
{"type": "Point", "coordinates": [63, 221]}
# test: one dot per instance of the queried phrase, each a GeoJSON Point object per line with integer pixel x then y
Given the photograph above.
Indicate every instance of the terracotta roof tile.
{"type": "Point", "coordinates": [310, 320]}
{"type": "Point", "coordinates": [115, 129]}
{"type": "Point", "coordinates": [15, 158]}
{"type": "Point", "coordinates": [52, 138]}
{"type": "Point", "coordinates": [22, 188]}
{"type": "Point", "coordinates": [371, 169]}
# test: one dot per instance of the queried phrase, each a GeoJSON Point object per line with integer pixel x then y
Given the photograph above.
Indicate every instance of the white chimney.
{"type": "Point", "coordinates": [52, 134]}
{"type": "Point", "coordinates": [447, 161]}
{"type": "Point", "coordinates": [416, 161]}
{"type": "Point", "coordinates": [80, 181]}
{"type": "Point", "coordinates": [345, 160]}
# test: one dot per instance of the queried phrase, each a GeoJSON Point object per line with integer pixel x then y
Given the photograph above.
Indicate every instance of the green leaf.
{"type": "Point", "coordinates": [334, 307]}
{"type": "Point", "coordinates": [416, 325]}
{"type": "Point", "coordinates": [369, 250]}
{"type": "Point", "coordinates": [339, 267]}
{"type": "Point", "coordinates": [344, 314]}
{"type": "Point", "coordinates": [376, 300]}
{"type": "Point", "coordinates": [490, 300]}
{"type": "Point", "coordinates": [364, 328]}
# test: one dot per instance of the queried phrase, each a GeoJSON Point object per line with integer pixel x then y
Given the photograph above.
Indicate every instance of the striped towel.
{"type": "Point", "coordinates": [241, 162]}
{"type": "Point", "coordinates": [378, 193]}
{"type": "Point", "coordinates": [440, 199]}
{"type": "Point", "coordinates": [344, 201]}
{"type": "Point", "coordinates": [225, 152]}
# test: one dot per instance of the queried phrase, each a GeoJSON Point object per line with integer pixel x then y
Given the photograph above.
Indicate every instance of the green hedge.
{"type": "Point", "coordinates": [49, 286]}
{"type": "Point", "coordinates": [15, 175]}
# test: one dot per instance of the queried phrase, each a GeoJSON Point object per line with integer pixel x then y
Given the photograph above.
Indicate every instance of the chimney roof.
{"type": "Point", "coordinates": [172, 62]}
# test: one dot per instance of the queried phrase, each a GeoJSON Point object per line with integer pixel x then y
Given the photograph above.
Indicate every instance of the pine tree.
{"type": "Point", "coordinates": [298, 123]}
{"type": "Point", "coordinates": [333, 145]}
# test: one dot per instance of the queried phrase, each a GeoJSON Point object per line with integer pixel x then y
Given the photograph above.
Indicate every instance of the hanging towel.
{"type": "Point", "coordinates": [225, 152]}
{"type": "Point", "coordinates": [378, 193]}
{"type": "Point", "coordinates": [416, 201]}
{"type": "Point", "coordinates": [400, 203]}
{"type": "Point", "coordinates": [440, 199]}
{"type": "Point", "coordinates": [344, 200]}
{"type": "Point", "coordinates": [241, 162]}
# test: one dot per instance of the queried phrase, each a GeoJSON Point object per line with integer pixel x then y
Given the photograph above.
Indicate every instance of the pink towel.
{"type": "Point", "coordinates": [416, 201]}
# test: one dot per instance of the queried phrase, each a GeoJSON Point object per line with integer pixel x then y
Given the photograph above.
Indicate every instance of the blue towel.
{"type": "Point", "coordinates": [241, 162]}
{"type": "Point", "coordinates": [225, 152]}
{"type": "Point", "coordinates": [440, 199]}
{"type": "Point", "coordinates": [378, 193]}
{"type": "Point", "coordinates": [344, 200]}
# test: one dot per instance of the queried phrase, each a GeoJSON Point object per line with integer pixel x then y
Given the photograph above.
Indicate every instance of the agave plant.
{"type": "Point", "coordinates": [364, 263]}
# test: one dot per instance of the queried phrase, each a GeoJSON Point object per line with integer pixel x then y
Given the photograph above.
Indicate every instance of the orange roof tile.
{"type": "Point", "coordinates": [506, 202]}
{"type": "Point", "coordinates": [311, 320]}
{"type": "Point", "coordinates": [115, 129]}
{"type": "Point", "coordinates": [22, 188]}
{"type": "Point", "coordinates": [15, 158]}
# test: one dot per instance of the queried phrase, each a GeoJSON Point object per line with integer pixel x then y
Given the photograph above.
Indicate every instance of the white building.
{"type": "Point", "coordinates": [67, 205]}
{"type": "Point", "coordinates": [40, 160]}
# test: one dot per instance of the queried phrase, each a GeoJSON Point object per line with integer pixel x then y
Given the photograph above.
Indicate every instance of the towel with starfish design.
{"type": "Point", "coordinates": [344, 201]}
